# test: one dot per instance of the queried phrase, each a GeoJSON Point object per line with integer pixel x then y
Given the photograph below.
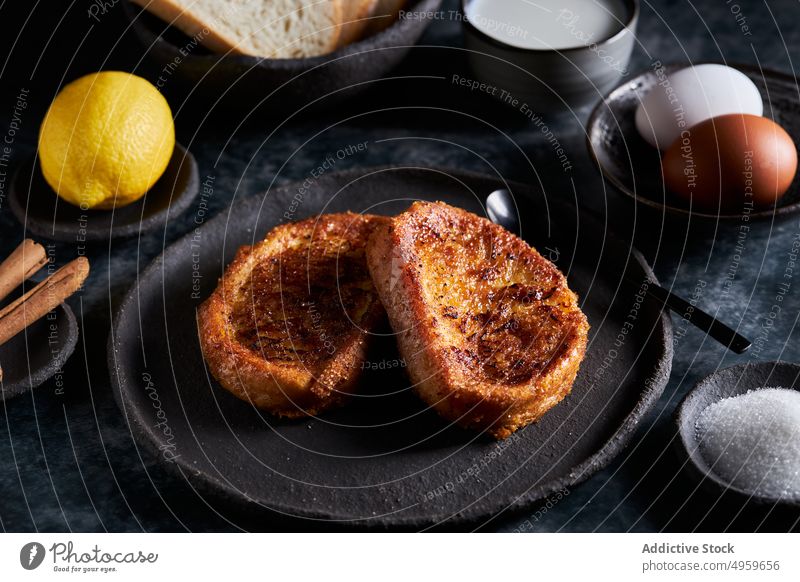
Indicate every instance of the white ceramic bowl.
{"type": "Point", "coordinates": [550, 80]}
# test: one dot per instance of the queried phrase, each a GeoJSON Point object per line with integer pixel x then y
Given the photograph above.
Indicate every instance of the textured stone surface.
{"type": "Point", "coordinates": [69, 462]}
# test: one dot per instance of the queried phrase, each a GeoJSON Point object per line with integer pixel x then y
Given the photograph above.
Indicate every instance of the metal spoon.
{"type": "Point", "coordinates": [503, 211]}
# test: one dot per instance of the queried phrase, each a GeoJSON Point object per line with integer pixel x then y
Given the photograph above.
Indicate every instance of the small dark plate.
{"type": "Point", "coordinates": [37, 354]}
{"type": "Point", "coordinates": [385, 459]}
{"type": "Point", "coordinates": [245, 82]}
{"type": "Point", "coordinates": [39, 209]}
{"type": "Point", "coordinates": [725, 383]}
{"type": "Point", "coordinates": [633, 166]}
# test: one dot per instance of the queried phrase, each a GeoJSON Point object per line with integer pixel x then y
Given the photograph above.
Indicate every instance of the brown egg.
{"type": "Point", "coordinates": [731, 163]}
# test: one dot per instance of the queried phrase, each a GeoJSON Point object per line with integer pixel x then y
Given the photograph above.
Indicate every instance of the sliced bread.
{"type": "Point", "coordinates": [287, 328]}
{"type": "Point", "coordinates": [491, 334]}
{"type": "Point", "coordinates": [356, 20]}
{"type": "Point", "coordinates": [263, 28]}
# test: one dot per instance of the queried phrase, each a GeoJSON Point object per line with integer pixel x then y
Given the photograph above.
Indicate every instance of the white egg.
{"type": "Point", "coordinates": [692, 95]}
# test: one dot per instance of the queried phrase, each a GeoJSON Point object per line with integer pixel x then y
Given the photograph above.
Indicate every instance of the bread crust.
{"type": "Point", "coordinates": [173, 13]}
{"type": "Point", "coordinates": [273, 334]}
{"type": "Point", "coordinates": [384, 14]}
{"type": "Point", "coordinates": [355, 20]}
{"type": "Point", "coordinates": [491, 334]}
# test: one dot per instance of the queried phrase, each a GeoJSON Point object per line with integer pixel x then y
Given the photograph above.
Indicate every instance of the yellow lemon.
{"type": "Point", "coordinates": [106, 139]}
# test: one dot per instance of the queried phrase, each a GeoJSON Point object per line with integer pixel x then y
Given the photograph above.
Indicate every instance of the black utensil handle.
{"type": "Point", "coordinates": [696, 316]}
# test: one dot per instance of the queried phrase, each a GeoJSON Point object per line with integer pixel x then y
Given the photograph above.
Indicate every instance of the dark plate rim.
{"type": "Point", "coordinates": [653, 388]}
{"type": "Point", "coordinates": [43, 374]}
{"type": "Point", "coordinates": [683, 419]}
{"type": "Point", "coordinates": [146, 224]}
{"type": "Point", "coordinates": [777, 211]}
{"type": "Point", "coordinates": [290, 64]}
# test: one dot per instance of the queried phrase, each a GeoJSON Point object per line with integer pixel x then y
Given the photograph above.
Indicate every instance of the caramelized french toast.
{"type": "Point", "coordinates": [287, 327]}
{"type": "Point", "coordinates": [490, 332]}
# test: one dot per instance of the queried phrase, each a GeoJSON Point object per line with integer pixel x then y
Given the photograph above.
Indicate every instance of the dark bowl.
{"type": "Point", "coordinates": [722, 384]}
{"type": "Point", "coordinates": [244, 82]}
{"type": "Point", "coordinates": [39, 209]}
{"type": "Point", "coordinates": [37, 354]}
{"type": "Point", "coordinates": [633, 166]}
{"type": "Point", "coordinates": [551, 80]}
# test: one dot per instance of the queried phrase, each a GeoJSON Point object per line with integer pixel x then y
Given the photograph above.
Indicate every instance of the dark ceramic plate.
{"type": "Point", "coordinates": [633, 166]}
{"type": "Point", "coordinates": [35, 355]}
{"type": "Point", "coordinates": [725, 383]}
{"type": "Point", "coordinates": [244, 82]}
{"type": "Point", "coordinates": [39, 209]}
{"type": "Point", "coordinates": [384, 460]}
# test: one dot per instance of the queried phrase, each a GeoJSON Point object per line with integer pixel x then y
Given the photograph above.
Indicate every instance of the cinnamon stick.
{"type": "Point", "coordinates": [42, 299]}
{"type": "Point", "coordinates": [20, 265]}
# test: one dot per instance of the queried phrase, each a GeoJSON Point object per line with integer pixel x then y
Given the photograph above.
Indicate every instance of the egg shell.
{"type": "Point", "coordinates": [731, 162]}
{"type": "Point", "coordinates": [691, 95]}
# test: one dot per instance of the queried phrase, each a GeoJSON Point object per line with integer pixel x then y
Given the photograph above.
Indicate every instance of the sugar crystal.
{"type": "Point", "coordinates": [752, 441]}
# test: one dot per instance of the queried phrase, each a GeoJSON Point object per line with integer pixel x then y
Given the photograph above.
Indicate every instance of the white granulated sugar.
{"type": "Point", "coordinates": [752, 441]}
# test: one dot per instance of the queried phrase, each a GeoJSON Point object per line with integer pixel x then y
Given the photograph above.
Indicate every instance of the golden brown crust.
{"type": "Point", "coordinates": [491, 334]}
{"type": "Point", "coordinates": [287, 328]}
{"type": "Point", "coordinates": [384, 13]}
{"type": "Point", "coordinates": [176, 15]}
{"type": "Point", "coordinates": [355, 20]}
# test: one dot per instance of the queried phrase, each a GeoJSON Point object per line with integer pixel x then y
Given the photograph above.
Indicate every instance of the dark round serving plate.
{"type": "Point", "coordinates": [722, 384]}
{"type": "Point", "coordinates": [39, 209]}
{"type": "Point", "coordinates": [37, 354]}
{"type": "Point", "coordinates": [384, 460]}
{"type": "Point", "coordinates": [633, 166]}
{"type": "Point", "coordinates": [243, 82]}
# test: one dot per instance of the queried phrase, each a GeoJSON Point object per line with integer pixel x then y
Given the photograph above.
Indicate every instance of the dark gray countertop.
{"type": "Point", "coordinates": [68, 462]}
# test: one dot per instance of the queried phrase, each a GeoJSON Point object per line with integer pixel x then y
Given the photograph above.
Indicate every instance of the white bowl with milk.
{"type": "Point", "coordinates": [550, 54]}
